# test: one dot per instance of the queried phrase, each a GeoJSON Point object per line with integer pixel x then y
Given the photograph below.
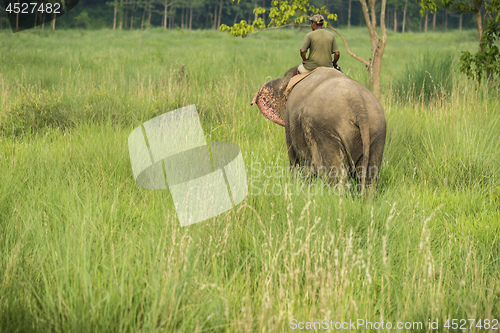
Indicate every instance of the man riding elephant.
{"type": "Point", "coordinates": [321, 45]}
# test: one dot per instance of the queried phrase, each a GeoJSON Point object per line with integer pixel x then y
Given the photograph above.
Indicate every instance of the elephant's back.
{"type": "Point", "coordinates": [328, 89]}
{"type": "Point", "coordinates": [329, 83]}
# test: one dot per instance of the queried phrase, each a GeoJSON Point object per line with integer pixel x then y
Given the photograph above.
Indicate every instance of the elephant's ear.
{"type": "Point", "coordinates": [271, 101]}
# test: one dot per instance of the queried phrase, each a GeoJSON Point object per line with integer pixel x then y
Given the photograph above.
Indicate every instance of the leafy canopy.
{"type": "Point", "coordinates": [281, 13]}
{"type": "Point", "coordinates": [487, 59]}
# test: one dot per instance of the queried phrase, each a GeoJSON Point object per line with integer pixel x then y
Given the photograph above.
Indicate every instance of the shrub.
{"type": "Point", "coordinates": [82, 21]}
{"type": "Point", "coordinates": [34, 112]}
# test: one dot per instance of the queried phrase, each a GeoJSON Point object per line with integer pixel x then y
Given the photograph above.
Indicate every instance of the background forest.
{"type": "Point", "coordinates": [402, 15]}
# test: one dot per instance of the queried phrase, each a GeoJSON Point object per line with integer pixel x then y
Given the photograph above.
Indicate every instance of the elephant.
{"type": "Point", "coordinates": [335, 127]}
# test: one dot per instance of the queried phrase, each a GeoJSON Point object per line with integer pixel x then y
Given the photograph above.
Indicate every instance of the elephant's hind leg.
{"type": "Point", "coordinates": [375, 162]}
{"type": "Point", "coordinates": [292, 154]}
{"type": "Point", "coordinates": [372, 172]}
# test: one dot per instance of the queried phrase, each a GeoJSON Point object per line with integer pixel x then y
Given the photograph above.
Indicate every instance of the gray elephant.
{"type": "Point", "coordinates": [335, 127]}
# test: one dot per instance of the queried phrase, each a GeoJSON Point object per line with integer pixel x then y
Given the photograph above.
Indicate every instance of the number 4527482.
{"type": "Point", "coordinates": [463, 324]}
{"type": "Point", "coordinates": [33, 7]}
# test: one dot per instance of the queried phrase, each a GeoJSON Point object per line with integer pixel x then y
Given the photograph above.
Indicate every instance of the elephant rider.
{"type": "Point", "coordinates": [321, 45]}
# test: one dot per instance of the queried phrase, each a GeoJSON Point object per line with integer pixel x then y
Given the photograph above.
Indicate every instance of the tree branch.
{"type": "Point", "coordinates": [382, 22]}
{"type": "Point", "coordinates": [352, 54]}
{"type": "Point", "coordinates": [373, 13]}
{"type": "Point", "coordinates": [371, 29]}
{"type": "Point", "coordinates": [281, 26]}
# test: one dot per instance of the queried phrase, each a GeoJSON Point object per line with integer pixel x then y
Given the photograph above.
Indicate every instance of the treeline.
{"type": "Point", "coordinates": [401, 15]}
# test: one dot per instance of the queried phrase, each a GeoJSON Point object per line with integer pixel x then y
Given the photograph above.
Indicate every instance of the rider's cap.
{"type": "Point", "coordinates": [317, 18]}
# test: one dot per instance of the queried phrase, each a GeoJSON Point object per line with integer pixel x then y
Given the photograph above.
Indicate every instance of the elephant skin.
{"type": "Point", "coordinates": [335, 127]}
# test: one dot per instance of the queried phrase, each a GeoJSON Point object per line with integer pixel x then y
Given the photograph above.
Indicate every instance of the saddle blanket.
{"type": "Point", "coordinates": [296, 79]}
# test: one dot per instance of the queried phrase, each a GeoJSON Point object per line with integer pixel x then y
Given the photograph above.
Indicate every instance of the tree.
{"type": "Point", "coordinates": [116, 4]}
{"type": "Point", "coordinates": [374, 64]}
{"type": "Point", "coordinates": [82, 21]}
{"type": "Point", "coordinates": [487, 58]}
{"type": "Point", "coordinates": [349, 15]}
{"type": "Point", "coordinates": [282, 12]}
{"type": "Point", "coordinates": [378, 44]}
{"type": "Point", "coordinates": [404, 16]}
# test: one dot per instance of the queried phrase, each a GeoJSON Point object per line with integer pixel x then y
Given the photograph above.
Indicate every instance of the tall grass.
{"type": "Point", "coordinates": [82, 248]}
{"type": "Point", "coordinates": [428, 76]}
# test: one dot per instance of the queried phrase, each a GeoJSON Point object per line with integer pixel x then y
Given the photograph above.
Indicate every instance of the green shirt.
{"type": "Point", "coordinates": [322, 45]}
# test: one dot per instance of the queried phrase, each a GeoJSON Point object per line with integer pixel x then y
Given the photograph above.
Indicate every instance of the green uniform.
{"type": "Point", "coordinates": [322, 45]}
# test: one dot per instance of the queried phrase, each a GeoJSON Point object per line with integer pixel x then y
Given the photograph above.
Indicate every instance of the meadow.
{"type": "Point", "coordinates": [83, 249]}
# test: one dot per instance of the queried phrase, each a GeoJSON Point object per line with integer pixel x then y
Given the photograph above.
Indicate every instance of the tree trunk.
{"type": "Point", "coordinates": [378, 44]}
{"type": "Point", "coordinates": [115, 11]}
{"type": "Point", "coordinates": [190, 17]}
{"type": "Point", "coordinates": [395, 19]}
{"type": "Point", "coordinates": [220, 14]}
{"type": "Point", "coordinates": [426, 21]}
{"type": "Point", "coordinates": [460, 22]}
{"type": "Point", "coordinates": [144, 15]}
{"type": "Point", "coordinates": [479, 21]}
{"type": "Point", "coordinates": [349, 16]}
{"type": "Point", "coordinates": [404, 16]}
{"type": "Point", "coordinates": [445, 20]}
{"type": "Point", "coordinates": [255, 16]}
{"type": "Point", "coordinates": [121, 15]}
{"type": "Point", "coordinates": [214, 23]}
{"type": "Point", "coordinates": [165, 13]}
{"type": "Point", "coordinates": [434, 22]}
{"type": "Point", "coordinates": [54, 22]}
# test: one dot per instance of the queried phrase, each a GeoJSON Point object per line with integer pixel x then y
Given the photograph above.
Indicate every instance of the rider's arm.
{"type": "Point", "coordinates": [303, 55]}
{"type": "Point", "coordinates": [336, 57]}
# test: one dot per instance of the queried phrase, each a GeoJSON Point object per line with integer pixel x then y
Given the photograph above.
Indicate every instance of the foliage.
{"type": "Point", "coordinates": [487, 58]}
{"type": "Point", "coordinates": [281, 13]}
{"type": "Point", "coordinates": [243, 29]}
{"type": "Point", "coordinates": [33, 112]}
{"type": "Point", "coordinates": [82, 21]}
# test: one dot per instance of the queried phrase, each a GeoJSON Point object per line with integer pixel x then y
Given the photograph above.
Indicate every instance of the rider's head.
{"type": "Point", "coordinates": [316, 21]}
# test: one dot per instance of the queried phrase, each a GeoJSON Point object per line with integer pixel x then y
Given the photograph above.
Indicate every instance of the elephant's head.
{"type": "Point", "coordinates": [271, 98]}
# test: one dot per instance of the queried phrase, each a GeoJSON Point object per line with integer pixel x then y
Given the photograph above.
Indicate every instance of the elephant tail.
{"type": "Point", "coordinates": [364, 129]}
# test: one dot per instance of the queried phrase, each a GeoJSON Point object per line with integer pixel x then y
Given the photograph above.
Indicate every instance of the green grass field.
{"type": "Point", "coordinates": [83, 249]}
